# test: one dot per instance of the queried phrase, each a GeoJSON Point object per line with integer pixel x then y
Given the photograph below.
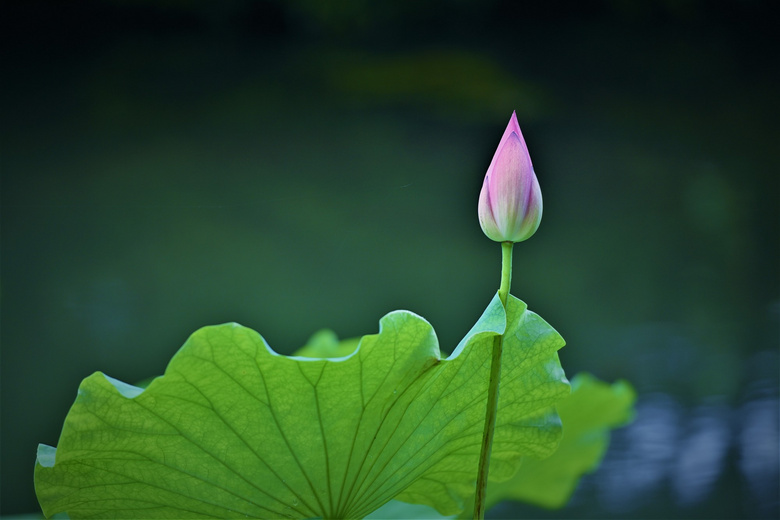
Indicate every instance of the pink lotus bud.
{"type": "Point", "coordinates": [510, 204]}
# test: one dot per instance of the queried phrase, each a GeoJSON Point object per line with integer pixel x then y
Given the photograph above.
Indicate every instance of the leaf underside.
{"type": "Point", "coordinates": [593, 409]}
{"type": "Point", "coordinates": [234, 429]}
{"type": "Point", "coordinates": [589, 414]}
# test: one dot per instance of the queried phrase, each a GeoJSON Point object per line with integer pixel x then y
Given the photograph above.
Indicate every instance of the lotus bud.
{"type": "Point", "coordinates": [510, 204]}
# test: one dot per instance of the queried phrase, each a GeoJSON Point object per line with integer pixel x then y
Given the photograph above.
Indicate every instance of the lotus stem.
{"type": "Point", "coordinates": [492, 401]}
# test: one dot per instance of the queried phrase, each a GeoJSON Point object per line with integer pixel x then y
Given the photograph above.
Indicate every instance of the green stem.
{"type": "Point", "coordinates": [492, 401]}
{"type": "Point", "coordinates": [506, 271]}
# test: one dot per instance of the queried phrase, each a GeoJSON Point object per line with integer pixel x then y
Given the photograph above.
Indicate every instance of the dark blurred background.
{"type": "Point", "coordinates": [306, 164]}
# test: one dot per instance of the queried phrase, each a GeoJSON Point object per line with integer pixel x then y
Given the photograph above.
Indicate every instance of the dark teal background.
{"type": "Point", "coordinates": [300, 165]}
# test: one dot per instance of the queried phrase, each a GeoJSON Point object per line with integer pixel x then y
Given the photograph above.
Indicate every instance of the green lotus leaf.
{"type": "Point", "coordinates": [589, 414]}
{"type": "Point", "coordinates": [325, 344]}
{"type": "Point", "coordinates": [233, 429]}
